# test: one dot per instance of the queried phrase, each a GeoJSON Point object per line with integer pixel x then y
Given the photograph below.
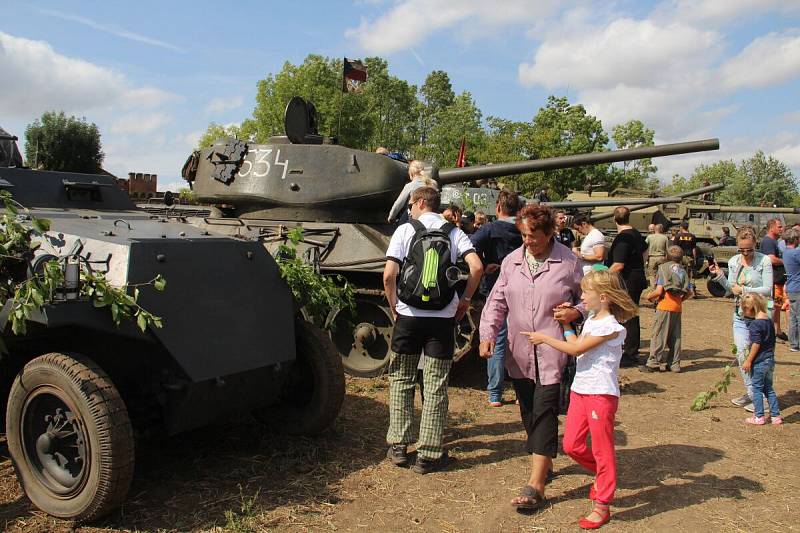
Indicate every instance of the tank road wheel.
{"type": "Point", "coordinates": [363, 347]}
{"type": "Point", "coordinates": [69, 437]}
{"type": "Point", "coordinates": [313, 392]}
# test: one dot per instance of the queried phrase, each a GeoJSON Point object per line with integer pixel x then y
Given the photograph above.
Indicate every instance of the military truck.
{"type": "Point", "coordinates": [76, 388]}
{"type": "Point", "coordinates": [341, 197]}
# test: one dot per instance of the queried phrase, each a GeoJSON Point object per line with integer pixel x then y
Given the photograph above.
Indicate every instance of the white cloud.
{"type": "Point", "coordinates": [138, 124]}
{"type": "Point", "coordinates": [36, 79]}
{"type": "Point", "coordinates": [789, 154]}
{"type": "Point", "coordinates": [624, 52]}
{"type": "Point", "coordinates": [111, 29]}
{"type": "Point", "coordinates": [768, 60]}
{"type": "Point", "coordinates": [410, 22]}
{"type": "Point", "coordinates": [222, 104]}
{"type": "Point", "coordinates": [719, 12]}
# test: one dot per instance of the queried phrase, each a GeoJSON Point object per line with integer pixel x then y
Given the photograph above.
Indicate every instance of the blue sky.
{"type": "Point", "coordinates": [152, 75]}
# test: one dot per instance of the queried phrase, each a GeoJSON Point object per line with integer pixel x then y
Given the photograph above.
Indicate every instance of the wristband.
{"type": "Point", "coordinates": [568, 332]}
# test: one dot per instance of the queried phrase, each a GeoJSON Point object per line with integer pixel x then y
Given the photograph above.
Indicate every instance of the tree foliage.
{"type": "Point", "coordinates": [759, 180]}
{"type": "Point", "coordinates": [640, 173]}
{"type": "Point", "coordinates": [383, 114]}
{"type": "Point", "coordinates": [559, 129]}
{"type": "Point", "coordinates": [61, 143]}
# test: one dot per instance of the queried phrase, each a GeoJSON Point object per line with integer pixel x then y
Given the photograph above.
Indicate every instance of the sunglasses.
{"type": "Point", "coordinates": [745, 250]}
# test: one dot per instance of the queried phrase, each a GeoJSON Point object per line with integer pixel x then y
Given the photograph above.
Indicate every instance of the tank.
{"type": "Point", "coordinates": [341, 197]}
{"type": "Point", "coordinates": [76, 388]}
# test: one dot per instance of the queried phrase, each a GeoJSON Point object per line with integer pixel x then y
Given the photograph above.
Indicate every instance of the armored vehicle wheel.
{"type": "Point", "coordinates": [69, 437]}
{"type": "Point", "coordinates": [363, 346]}
{"type": "Point", "coordinates": [314, 390]}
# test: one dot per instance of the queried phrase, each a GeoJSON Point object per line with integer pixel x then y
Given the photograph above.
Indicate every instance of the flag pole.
{"type": "Point", "coordinates": [341, 103]}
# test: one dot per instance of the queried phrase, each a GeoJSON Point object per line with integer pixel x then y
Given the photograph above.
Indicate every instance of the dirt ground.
{"type": "Point", "coordinates": [678, 470]}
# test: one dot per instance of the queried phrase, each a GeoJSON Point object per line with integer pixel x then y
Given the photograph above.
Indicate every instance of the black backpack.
{"type": "Point", "coordinates": [422, 282]}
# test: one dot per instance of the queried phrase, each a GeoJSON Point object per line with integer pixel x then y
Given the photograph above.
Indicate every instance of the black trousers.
{"type": "Point", "coordinates": [538, 408]}
{"type": "Point", "coordinates": [635, 285]}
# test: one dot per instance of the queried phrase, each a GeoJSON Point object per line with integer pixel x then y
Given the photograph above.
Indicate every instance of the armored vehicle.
{"type": "Point", "coordinates": [341, 197]}
{"type": "Point", "coordinates": [76, 388]}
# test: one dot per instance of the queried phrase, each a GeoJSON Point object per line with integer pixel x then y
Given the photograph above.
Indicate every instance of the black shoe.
{"type": "Point", "coordinates": [782, 336]}
{"type": "Point", "coordinates": [648, 369]}
{"type": "Point", "coordinates": [397, 454]}
{"type": "Point", "coordinates": [628, 363]}
{"type": "Point", "coordinates": [426, 466]}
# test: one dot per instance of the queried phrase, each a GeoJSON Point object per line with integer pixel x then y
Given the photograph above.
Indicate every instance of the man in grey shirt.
{"type": "Point", "coordinates": [657, 244]}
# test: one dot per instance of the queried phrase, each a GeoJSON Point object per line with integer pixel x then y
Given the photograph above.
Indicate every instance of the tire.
{"type": "Point", "coordinates": [61, 403]}
{"type": "Point", "coordinates": [313, 392]}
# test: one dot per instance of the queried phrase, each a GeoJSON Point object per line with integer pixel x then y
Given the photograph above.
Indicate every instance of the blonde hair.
{"type": "Point", "coordinates": [415, 169]}
{"type": "Point", "coordinates": [746, 232]}
{"type": "Point", "coordinates": [755, 302]}
{"type": "Point", "coordinates": [610, 284]}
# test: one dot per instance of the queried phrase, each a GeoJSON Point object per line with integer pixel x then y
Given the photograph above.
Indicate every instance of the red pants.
{"type": "Point", "coordinates": [593, 414]}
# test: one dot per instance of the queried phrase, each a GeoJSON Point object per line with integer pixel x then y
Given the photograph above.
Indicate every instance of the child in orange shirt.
{"type": "Point", "coordinates": [672, 288]}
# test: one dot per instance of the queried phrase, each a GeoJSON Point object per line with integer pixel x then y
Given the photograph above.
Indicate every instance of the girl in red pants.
{"type": "Point", "coordinates": [595, 390]}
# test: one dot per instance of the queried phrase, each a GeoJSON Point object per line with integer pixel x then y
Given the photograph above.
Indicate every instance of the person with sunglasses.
{"type": "Point", "coordinates": [749, 271]}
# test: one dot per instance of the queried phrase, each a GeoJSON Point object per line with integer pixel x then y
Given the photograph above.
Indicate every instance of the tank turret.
{"type": "Point", "coordinates": [305, 177]}
{"type": "Point", "coordinates": [341, 197]}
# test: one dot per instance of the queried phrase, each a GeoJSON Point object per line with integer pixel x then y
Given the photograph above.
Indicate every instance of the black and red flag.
{"type": "Point", "coordinates": [355, 74]}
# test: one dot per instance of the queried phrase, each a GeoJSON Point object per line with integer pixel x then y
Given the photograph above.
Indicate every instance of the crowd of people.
{"type": "Point", "coordinates": [554, 302]}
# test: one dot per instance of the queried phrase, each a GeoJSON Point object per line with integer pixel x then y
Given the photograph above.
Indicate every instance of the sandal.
{"type": "Point", "coordinates": [605, 515]}
{"type": "Point", "coordinates": [529, 499]}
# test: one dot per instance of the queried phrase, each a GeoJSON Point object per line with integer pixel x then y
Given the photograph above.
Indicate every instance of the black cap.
{"type": "Point", "coordinates": [468, 215]}
{"type": "Point", "coordinates": [685, 224]}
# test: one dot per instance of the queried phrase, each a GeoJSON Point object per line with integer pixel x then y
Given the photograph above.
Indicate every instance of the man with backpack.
{"type": "Point", "coordinates": [425, 305]}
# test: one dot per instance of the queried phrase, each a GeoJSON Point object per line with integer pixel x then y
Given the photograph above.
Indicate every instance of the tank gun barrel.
{"type": "Point", "coordinates": [657, 201]}
{"type": "Point", "coordinates": [457, 175]}
{"type": "Point", "coordinates": [700, 208]}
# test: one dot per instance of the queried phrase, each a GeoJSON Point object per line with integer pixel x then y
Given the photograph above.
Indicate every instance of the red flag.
{"type": "Point", "coordinates": [462, 155]}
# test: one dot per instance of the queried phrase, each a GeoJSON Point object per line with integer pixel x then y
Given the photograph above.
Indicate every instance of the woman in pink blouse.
{"type": "Point", "coordinates": [539, 284]}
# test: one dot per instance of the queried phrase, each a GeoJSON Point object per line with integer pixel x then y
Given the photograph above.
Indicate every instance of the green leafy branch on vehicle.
{"type": "Point", "coordinates": [29, 295]}
{"type": "Point", "coordinates": [317, 293]}
{"type": "Point", "coordinates": [702, 400]}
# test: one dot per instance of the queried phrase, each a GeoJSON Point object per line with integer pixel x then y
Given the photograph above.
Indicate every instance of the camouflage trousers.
{"type": "Point", "coordinates": [402, 383]}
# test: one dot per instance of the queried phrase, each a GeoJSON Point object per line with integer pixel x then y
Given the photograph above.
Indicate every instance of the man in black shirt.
{"type": "Point", "coordinates": [564, 235]}
{"type": "Point", "coordinates": [627, 258]}
{"type": "Point", "coordinates": [688, 244]}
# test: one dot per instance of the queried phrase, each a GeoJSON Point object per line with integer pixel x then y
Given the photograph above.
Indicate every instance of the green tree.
{"type": "Point", "coordinates": [757, 181]}
{"type": "Point", "coordinates": [215, 132]}
{"type": "Point", "coordinates": [560, 129]}
{"type": "Point", "coordinates": [461, 119]}
{"type": "Point", "coordinates": [640, 173]}
{"type": "Point", "coordinates": [384, 113]}
{"type": "Point", "coordinates": [61, 143]}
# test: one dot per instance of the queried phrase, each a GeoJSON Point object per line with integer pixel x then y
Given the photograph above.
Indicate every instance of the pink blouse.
{"type": "Point", "coordinates": [528, 301]}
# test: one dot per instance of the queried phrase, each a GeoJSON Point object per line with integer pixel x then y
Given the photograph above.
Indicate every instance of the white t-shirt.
{"type": "Point", "coordinates": [596, 370]}
{"type": "Point", "coordinates": [592, 239]}
{"type": "Point", "coordinates": [398, 250]}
